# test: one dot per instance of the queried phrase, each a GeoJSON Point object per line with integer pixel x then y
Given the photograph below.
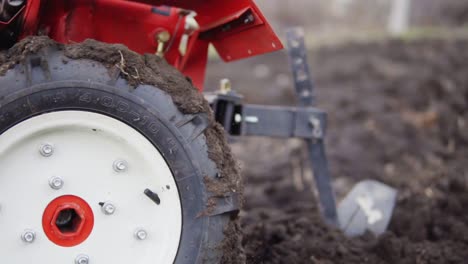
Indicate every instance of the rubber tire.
{"type": "Point", "coordinates": [47, 82]}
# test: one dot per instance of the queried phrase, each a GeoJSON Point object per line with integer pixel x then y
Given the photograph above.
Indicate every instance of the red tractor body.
{"type": "Point", "coordinates": [236, 28]}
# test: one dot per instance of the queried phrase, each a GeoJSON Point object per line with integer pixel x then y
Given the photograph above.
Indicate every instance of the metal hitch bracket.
{"type": "Point", "coordinates": [303, 121]}
{"type": "Point", "coordinates": [368, 200]}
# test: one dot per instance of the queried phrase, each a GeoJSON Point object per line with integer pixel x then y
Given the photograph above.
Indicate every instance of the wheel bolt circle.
{"type": "Point", "coordinates": [56, 183]}
{"type": "Point", "coordinates": [82, 259]}
{"type": "Point", "coordinates": [141, 234]}
{"type": "Point", "coordinates": [108, 208]}
{"type": "Point", "coordinates": [120, 165]}
{"type": "Point", "coordinates": [28, 236]}
{"type": "Point", "coordinates": [46, 150]}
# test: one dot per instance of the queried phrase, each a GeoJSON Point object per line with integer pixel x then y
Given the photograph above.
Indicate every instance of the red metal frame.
{"type": "Point", "coordinates": [136, 24]}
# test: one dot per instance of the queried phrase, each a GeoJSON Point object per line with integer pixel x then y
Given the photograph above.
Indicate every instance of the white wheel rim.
{"type": "Point", "coordinates": [85, 148]}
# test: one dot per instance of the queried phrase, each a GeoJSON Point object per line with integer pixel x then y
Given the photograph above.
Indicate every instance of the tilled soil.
{"type": "Point", "coordinates": [398, 113]}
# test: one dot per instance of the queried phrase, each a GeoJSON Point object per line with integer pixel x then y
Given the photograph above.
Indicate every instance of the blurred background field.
{"type": "Point", "coordinates": [393, 77]}
{"type": "Point", "coordinates": [340, 22]}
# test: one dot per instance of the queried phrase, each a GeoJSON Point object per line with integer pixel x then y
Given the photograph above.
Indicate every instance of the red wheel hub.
{"type": "Point", "coordinates": [68, 220]}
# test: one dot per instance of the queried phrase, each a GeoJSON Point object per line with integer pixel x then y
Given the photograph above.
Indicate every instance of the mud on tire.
{"type": "Point", "coordinates": [39, 76]}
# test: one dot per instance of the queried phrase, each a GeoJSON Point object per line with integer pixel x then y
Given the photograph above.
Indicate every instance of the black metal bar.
{"type": "Point", "coordinates": [280, 121]}
{"type": "Point", "coordinates": [240, 119]}
{"type": "Point", "coordinates": [153, 196]}
{"type": "Point", "coordinates": [305, 93]}
{"type": "Point", "coordinates": [300, 68]}
{"type": "Point", "coordinates": [319, 161]}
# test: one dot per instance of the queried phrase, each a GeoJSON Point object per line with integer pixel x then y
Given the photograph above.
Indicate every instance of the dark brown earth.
{"type": "Point", "coordinates": [398, 113]}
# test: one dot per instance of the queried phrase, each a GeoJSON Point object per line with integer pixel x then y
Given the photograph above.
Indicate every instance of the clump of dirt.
{"type": "Point", "coordinates": [17, 54]}
{"type": "Point", "coordinates": [152, 70]}
{"type": "Point", "coordinates": [398, 113]}
{"type": "Point", "coordinates": [146, 69]}
{"type": "Point", "coordinates": [220, 152]}
{"type": "Point", "coordinates": [232, 247]}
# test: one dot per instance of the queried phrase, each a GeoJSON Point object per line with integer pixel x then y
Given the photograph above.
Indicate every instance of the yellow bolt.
{"type": "Point", "coordinates": [162, 38]}
{"type": "Point", "coordinates": [225, 85]}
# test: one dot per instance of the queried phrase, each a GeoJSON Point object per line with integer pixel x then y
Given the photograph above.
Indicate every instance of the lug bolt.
{"type": "Point", "coordinates": [28, 236]}
{"type": "Point", "coordinates": [46, 150]}
{"type": "Point", "coordinates": [141, 234]}
{"type": "Point", "coordinates": [82, 259]}
{"type": "Point", "coordinates": [120, 165]}
{"type": "Point", "coordinates": [162, 38]}
{"type": "Point", "coordinates": [108, 208]}
{"type": "Point", "coordinates": [56, 183]}
{"type": "Point", "coordinates": [225, 86]}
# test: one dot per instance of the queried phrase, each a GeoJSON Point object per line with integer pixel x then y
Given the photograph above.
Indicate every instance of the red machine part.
{"type": "Point", "coordinates": [227, 25]}
{"type": "Point", "coordinates": [81, 225]}
{"type": "Point", "coordinates": [5, 23]}
{"type": "Point", "coordinates": [236, 28]}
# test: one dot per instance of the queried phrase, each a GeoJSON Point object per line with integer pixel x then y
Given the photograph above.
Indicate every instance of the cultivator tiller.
{"type": "Point", "coordinates": [369, 205]}
{"type": "Point", "coordinates": [119, 159]}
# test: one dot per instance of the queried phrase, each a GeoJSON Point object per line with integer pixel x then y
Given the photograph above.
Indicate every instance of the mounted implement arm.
{"type": "Point", "coordinates": [369, 205]}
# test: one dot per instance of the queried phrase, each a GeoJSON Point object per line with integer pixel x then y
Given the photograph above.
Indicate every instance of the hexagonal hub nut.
{"type": "Point", "coordinates": [68, 220]}
{"type": "Point", "coordinates": [77, 225]}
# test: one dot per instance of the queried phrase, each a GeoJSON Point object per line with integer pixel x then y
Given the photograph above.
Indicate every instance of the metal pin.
{"type": "Point", "coordinates": [251, 119]}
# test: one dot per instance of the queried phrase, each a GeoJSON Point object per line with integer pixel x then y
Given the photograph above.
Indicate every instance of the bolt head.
{"type": "Point", "coordinates": [46, 150]}
{"type": "Point", "coordinates": [28, 236]}
{"type": "Point", "coordinates": [82, 259]}
{"type": "Point", "coordinates": [225, 85]}
{"type": "Point", "coordinates": [163, 36]}
{"type": "Point", "coordinates": [108, 208]}
{"type": "Point", "coordinates": [316, 127]}
{"type": "Point", "coordinates": [56, 183]}
{"type": "Point", "coordinates": [141, 234]}
{"type": "Point", "coordinates": [237, 118]}
{"type": "Point", "coordinates": [120, 165]}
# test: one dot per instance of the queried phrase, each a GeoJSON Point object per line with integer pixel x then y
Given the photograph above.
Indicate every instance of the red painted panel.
{"type": "Point", "coordinates": [136, 24]}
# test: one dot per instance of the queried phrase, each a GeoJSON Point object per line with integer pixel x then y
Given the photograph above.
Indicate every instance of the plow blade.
{"type": "Point", "coordinates": [367, 207]}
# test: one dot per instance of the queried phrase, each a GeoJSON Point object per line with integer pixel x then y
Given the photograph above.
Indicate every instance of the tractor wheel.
{"type": "Point", "coordinates": [98, 169]}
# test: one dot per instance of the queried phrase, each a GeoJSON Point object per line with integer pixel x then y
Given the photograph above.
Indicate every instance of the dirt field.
{"type": "Point", "coordinates": [398, 113]}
